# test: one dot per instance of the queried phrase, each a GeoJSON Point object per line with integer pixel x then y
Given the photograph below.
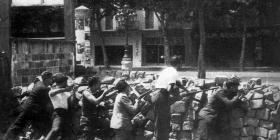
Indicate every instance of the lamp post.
{"type": "Point", "coordinates": [125, 20]}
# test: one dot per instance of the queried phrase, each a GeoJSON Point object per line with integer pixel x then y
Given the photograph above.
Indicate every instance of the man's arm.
{"type": "Point", "coordinates": [220, 95]}
{"type": "Point", "coordinates": [93, 99]}
{"type": "Point", "coordinates": [133, 109]}
{"type": "Point", "coordinates": [54, 92]}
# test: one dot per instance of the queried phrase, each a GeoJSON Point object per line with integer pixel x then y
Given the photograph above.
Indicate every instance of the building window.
{"type": "Point", "coordinates": [149, 19]}
{"type": "Point", "coordinates": [109, 23]}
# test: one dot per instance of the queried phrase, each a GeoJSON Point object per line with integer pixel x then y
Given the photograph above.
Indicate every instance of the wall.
{"type": "Point", "coordinates": [30, 57]}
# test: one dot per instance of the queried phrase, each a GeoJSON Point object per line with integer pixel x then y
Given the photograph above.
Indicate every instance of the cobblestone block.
{"type": "Point", "coordinates": [236, 123]}
{"type": "Point", "coordinates": [266, 124]}
{"type": "Point", "coordinates": [269, 95]}
{"type": "Point", "coordinates": [149, 126]}
{"type": "Point", "coordinates": [276, 96]}
{"type": "Point", "coordinates": [248, 131]}
{"type": "Point", "coordinates": [251, 113]}
{"type": "Point", "coordinates": [141, 74]}
{"type": "Point", "coordinates": [261, 138]}
{"type": "Point", "coordinates": [184, 135]}
{"type": "Point", "coordinates": [247, 138]}
{"type": "Point", "coordinates": [176, 118]}
{"type": "Point", "coordinates": [133, 74]}
{"type": "Point", "coordinates": [272, 134]}
{"type": "Point", "coordinates": [175, 127]}
{"type": "Point", "coordinates": [235, 132]}
{"type": "Point", "coordinates": [188, 125]}
{"type": "Point", "coordinates": [270, 104]}
{"type": "Point", "coordinates": [257, 95]}
{"type": "Point", "coordinates": [256, 104]}
{"type": "Point", "coordinates": [251, 122]}
{"type": "Point", "coordinates": [263, 114]}
{"type": "Point", "coordinates": [178, 107]}
{"type": "Point", "coordinates": [257, 81]}
{"type": "Point", "coordinates": [261, 132]}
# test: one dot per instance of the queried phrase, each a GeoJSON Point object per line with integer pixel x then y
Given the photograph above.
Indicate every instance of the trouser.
{"type": "Point", "coordinates": [202, 131]}
{"type": "Point", "coordinates": [31, 113]}
{"type": "Point", "coordinates": [123, 134]}
{"type": "Point", "coordinates": [58, 125]}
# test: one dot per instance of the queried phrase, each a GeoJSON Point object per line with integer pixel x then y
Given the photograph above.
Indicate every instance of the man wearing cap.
{"type": "Point", "coordinates": [34, 108]}
{"type": "Point", "coordinates": [221, 101]}
{"type": "Point", "coordinates": [59, 98]}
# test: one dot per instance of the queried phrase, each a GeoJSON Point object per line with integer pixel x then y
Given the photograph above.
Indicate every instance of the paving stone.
{"type": "Point", "coordinates": [256, 104]}
{"type": "Point", "coordinates": [248, 131]}
{"type": "Point", "coordinates": [247, 138]}
{"type": "Point", "coordinates": [235, 132]}
{"type": "Point", "coordinates": [261, 138]}
{"type": "Point", "coordinates": [276, 96]}
{"type": "Point", "coordinates": [263, 114]}
{"type": "Point", "coordinates": [188, 125]}
{"type": "Point", "coordinates": [178, 107]}
{"type": "Point", "coordinates": [269, 95]}
{"type": "Point", "coordinates": [261, 132]}
{"type": "Point", "coordinates": [236, 123]}
{"type": "Point", "coordinates": [175, 127]}
{"type": "Point", "coordinates": [257, 95]}
{"type": "Point", "coordinates": [251, 113]}
{"type": "Point", "coordinates": [251, 122]}
{"type": "Point", "coordinates": [266, 124]}
{"type": "Point", "coordinates": [272, 134]}
{"type": "Point", "coordinates": [184, 135]}
{"type": "Point", "coordinates": [149, 126]}
{"type": "Point", "coordinates": [176, 118]}
{"type": "Point", "coordinates": [270, 104]}
{"type": "Point", "coordinates": [257, 81]}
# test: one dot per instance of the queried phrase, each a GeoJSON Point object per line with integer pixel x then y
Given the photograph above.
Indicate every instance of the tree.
{"type": "Point", "coordinates": [125, 18]}
{"type": "Point", "coordinates": [101, 9]}
{"type": "Point", "coordinates": [165, 10]}
{"type": "Point", "coordinates": [245, 11]}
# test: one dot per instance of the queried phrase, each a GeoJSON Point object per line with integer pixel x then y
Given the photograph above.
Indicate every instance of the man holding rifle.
{"type": "Point", "coordinates": [160, 100]}
{"type": "Point", "coordinates": [221, 100]}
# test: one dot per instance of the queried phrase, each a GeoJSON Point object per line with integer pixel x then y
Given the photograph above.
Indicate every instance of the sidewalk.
{"type": "Point", "coordinates": [190, 68]}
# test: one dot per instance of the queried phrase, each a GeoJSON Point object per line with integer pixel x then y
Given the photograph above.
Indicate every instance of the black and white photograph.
{"type": "Point", "coordinates": [139, 70]}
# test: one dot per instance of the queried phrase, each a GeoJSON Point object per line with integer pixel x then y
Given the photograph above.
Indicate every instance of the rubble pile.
{"type": "Point", "coordinates": [262, 119]}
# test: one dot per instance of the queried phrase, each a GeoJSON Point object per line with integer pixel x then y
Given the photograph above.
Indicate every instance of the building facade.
{"type": "Point", "coordinates": [145, 41]}
{"type": "Point", "coordinates": [223, 43]}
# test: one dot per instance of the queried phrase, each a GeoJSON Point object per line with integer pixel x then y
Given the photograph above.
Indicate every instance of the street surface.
{"type": "Point", "coordinates": [267, 77]}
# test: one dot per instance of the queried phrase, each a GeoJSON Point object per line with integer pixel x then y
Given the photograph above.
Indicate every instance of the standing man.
{"type": "Point", "coordinates": [165, 84]}
{"type": "Point", "coordinates": [123, 112]}
{"type": "Point", "coordinates": [34, 108]}
{"type": "Point", "coordinates": [59, 98]}
{"type": "Point", "coordinates": [222, 100]}
{"type": "Point", "coordinates": [91, 97]}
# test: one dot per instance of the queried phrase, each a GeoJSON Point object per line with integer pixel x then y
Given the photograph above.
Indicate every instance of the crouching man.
{"type": "Point", "coordinates": [221, 101]}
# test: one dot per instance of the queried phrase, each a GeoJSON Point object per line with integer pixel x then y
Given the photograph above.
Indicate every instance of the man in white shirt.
{"type": "Point", "coordinates": [59, 95]}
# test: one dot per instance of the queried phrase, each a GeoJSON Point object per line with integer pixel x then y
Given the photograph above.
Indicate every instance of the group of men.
{"type": "Point", "coordinates": [44, 95]}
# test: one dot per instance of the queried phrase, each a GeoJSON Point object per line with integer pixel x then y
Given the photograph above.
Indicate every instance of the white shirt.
{"type": "Point", "coordinates": [60, 99]}
{"type": "Point", "coordinates": [166, 77]}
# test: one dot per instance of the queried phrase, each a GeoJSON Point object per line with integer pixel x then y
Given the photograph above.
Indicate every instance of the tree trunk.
{"type": "Point", "coordinates": [201, 61]}
{"type": "Point", "coordinates": [104, 52]}
{"type": "Point", "coordinates": [166, 46]}
{"type": "Point", "coordinates": [243, 48]}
